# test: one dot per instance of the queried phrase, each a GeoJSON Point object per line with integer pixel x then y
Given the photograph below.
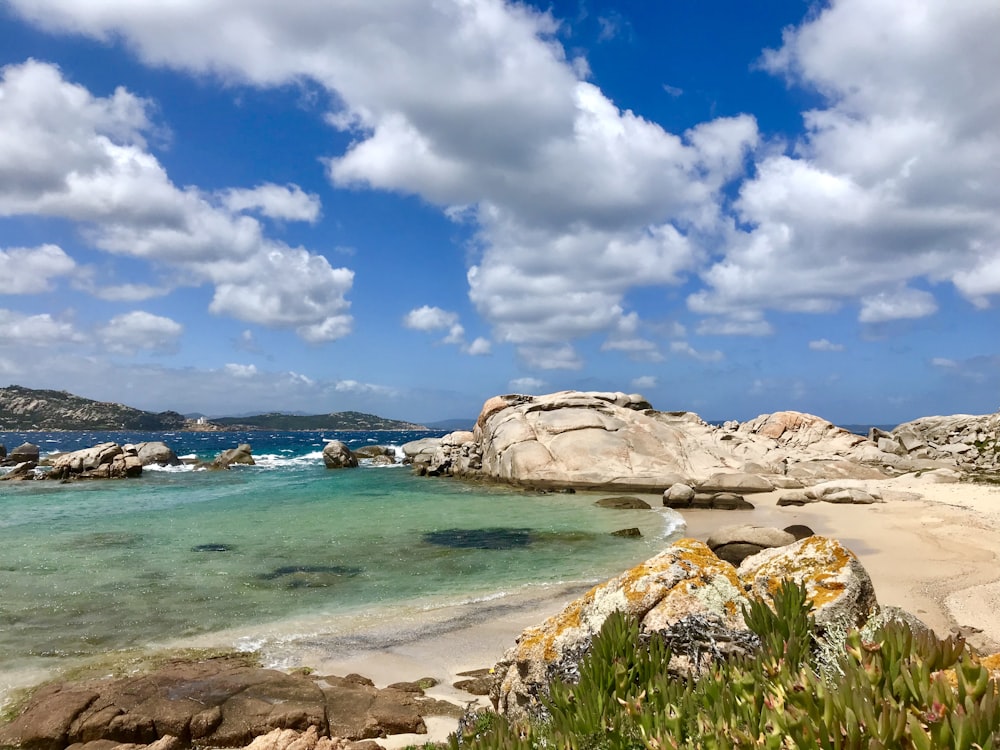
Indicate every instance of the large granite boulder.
{"type": "Point", "coordinates": [684, 580]}
{"type": "Point", "coordinates": [336, 455]}
{"type": "Point", "coordinates": [23, 452]}
{"type": "Point", "coordinates": [969, 442]}
{"type": "Point", "coordinates": [241, 454]}
{"type": "Point", "coordinates": [616, 441]}
{"type": "Point", "coordinates": [103, 461]}
{"type": "Point", "coordinates": [156, 452]}
{"type": "Point", "coordinates": [220, 702]}
{"type": "Point", "coordinates": [836, 582]}
{"type": "Point", "coordinates": [735, 543]}
{"type": "Point", "coordinates": [686, 590]}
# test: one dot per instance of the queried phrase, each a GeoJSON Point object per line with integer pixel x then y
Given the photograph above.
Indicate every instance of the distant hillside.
{"type": "Point", "coordinates": [341, 420]}
{"type": "Point", "coordinates": [27, 409]}
{"type": "Point", "coordinates": [453, 424]}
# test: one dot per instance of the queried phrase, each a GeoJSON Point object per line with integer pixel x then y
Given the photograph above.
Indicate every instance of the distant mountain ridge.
{"type": "Point", "coordinates": [30, 409]}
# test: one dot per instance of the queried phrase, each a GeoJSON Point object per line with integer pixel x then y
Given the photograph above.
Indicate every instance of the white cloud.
{"type": "Point", "coordinates": [551, 356]}
{"type": "Point", "coordinates": [944, 362]}
{"type": "Point", "coordinates": [526, 385]}
{"type": "Point", "coordinates": [472, 104]}
{"type": "Point", "coordinates": [736, 323]}
{"type": "Point", "coordinates": [896, 305]}
{"type": "Point", "coordinates": [66, 153]}
{"type": "Point", "coordinates": [428, 318]}
{"type": "Point", "coordinates": [644, 381]}
{"type": "Point", "coordinates": [287, 202]}
{"type": "Point", "coordinates": [35, 330]}
{"type": "Point", "coordinates": [354, 386]}
{"type": "Point", "coordinates": [137, 330]}
{"type": "Point", "coordinates": [479, 347]}
{"type": "Point", "coordinates": [241, 371]}
{"type": "Point", "coordinates": [897, 177]}
{"type": "Point", "coordinates": [825, 345]}
{"type": "Point", "coordinates": [30, 270]}
{"type": "Point", "coordinates": [683, 347]}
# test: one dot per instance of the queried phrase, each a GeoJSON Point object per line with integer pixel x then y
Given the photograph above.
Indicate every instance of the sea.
{"type": "Point", "coordinates": [281, 556]}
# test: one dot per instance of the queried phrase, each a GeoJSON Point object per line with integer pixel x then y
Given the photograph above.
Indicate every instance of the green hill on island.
{"type": "Point", "coordinates": [341, 420]}
{"type": "Point", "coordinates": [28, 409]}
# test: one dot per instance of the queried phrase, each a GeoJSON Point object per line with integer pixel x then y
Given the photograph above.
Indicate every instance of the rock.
{"type": "Point", "coordinates": [835, 581]}
{"type": "Point", "coordinates": [729, 501]}
{"type": "Point", "coordinates": [420, 451]}
{"type": "Point", "coordinates": [796, 497]}
{"type": "Point", "coordinates": [336, 455]}
{"type": "Point", "coordinates": [374, 451]}
{"type": "Point", "coordinates": [21, 471]}
{"type": "Point", "coordinates": [684, 579]}
{"type": "Point", "coordinates": [220, 702]}
{"type": "Point", "coordinates": [3, 452]}
{"type": "Point", "coordinates": [799, 531]}
{"type": "Point", "coordinates": [477, 682]}
{"type": "Point", "coordinates": [624, 503]}
{"type": "Point", "coordinates": [241, 454]}
{"type": "Point", "coordinates": [632, 532]}
{"type": "Point", "coordinates": [679, 495]}
{"type": "Point", "coordinates": [103, 461]}
{"type": "Point", "coordinates": [736, 483]}
{"type": "Point", "coordinates": [849, 496]}
{"type": "Point", "coordinates": [156, 453]}
{"type": "Point", "coordinates": [734, 543]}
{"type": "Point", "coordinates": [23, 452]}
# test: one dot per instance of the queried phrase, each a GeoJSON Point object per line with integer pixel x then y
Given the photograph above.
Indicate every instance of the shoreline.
{"type": "Point", "coordinates": [930, 548]}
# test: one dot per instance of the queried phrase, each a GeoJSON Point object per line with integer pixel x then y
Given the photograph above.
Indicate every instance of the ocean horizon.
{"type": "Point", "coordinates": [282, 553]}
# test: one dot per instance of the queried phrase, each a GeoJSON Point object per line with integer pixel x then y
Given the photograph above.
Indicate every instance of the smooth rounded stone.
{"type": "Point", "coordinates": [23, 452]}
{"type": "Point", "coordinates": [476, 682]}
{"type": "Point", "coordinates": [624, 503]}
{"type": "Point", "coordinates": [702, 501]}
{"type": "Point", "coordinates": [763, 536]}
{"type": "Point", "coordinates": [241, 454]}
{"type": "Point", "coordinates": [730, 501]}
{"type": "Point", "coordinates": [628, 533]}
{"type": "Point", "coordinates": [796, 497]}
{"type": "Point", "coordinates": [156, 452]}
{"type": "Point", "coordinates": [848, 496]}
{"type": "Point", "coordinates": [336, 455]}
{"type": "Point", "coordinates": [735, 482]}
{"type": "Point", "coordinates": [382, 461]}
{"type": "Point", "coordinates": [799, 531]}
{"type": "Point", "coordinates": [735, 553]}
{"type": "Point", "coordinates": [23, 470]}
{"type": "Point", "coordinates": [372, 451]}
{"type": "Point", "coordinates": [678, 495]}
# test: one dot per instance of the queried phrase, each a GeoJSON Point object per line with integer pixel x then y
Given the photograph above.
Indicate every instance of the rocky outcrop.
{"type": "Point", "coordinates": [969, 442]}
{"type": "Point", "coordinates": [241, 454]}
{"type": "Point", "coordinates": [592, 440]}
{"type": "Point", "coordinates": [216, 703]}
{"type": "Point", "coordinates": [22, 453]}
{"type": "Point", "coordinates": [156, 452]}
{"type": "Point", "coordinates": [103, 461]}
{"type": "Point", "coordinates": [336, 455]}
{"type": "Point", "coordinates": [29, 409]}
{"type": "Point", "coordinates": [691, 596]}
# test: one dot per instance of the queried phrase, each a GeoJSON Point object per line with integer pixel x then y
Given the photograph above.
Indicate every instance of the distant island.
{"type": "Point", "coordinates": [27, 409]}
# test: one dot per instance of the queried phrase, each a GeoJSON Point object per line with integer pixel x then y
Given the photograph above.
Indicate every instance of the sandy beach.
{"type": "Point", "coordinates": [930, 548]}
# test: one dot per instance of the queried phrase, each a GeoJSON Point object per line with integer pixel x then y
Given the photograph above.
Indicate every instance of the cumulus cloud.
{"type": "Point", "coordinates": [30, 270]}
{"type": "Point", "coordinates": [474, 105]}
{"type": "Point", "coordinates": [138, 330]}
{"type": "Point", "coordinates": [479, 347]}
{"type": "Point", "coordinates": [526, 385]}
{"type": "Point", "coordinates": [36, 330]}
{"type": "Point", "coordinates": [825, 345]}
{"type": "Point", "coordinates": [68, 154]}
{"type": "Point", "coordinates": [241, 371]}
{"type": "Point", "coordinates": [429, 318]}
{"type": "Point", "coordinates": [944, 362]}
{"type": "Point", "coordinates": [288, 202]}
{"type": "Point", "coordinates": [897, 176]}
{"type": "Point", "coordinates": [644, 381]}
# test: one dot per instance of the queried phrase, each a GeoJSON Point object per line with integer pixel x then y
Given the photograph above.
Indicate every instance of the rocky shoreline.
{"type": "Point", "coordinates": [793, 466]}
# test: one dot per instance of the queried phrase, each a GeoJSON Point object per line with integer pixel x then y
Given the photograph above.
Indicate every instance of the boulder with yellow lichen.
{"type": "Point", "coordinates": [694, 599]}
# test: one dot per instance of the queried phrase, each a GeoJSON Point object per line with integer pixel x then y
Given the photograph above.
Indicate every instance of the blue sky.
{"type": "Point", "coordinates": [406, 207]}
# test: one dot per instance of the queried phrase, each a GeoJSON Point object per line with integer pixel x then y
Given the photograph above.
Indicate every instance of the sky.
{"type": "Point", "coordinates": [405, 207]}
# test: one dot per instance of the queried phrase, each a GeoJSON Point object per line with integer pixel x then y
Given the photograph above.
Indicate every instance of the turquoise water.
{"type": "Point", "coordinates": [91, 567]}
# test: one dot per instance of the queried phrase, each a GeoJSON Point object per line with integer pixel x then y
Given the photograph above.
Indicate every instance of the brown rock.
{"type": "Point", "coordinates": [624, 503]}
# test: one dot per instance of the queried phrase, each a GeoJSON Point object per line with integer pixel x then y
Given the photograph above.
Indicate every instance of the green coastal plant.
{"type": "Point", "coordinates": [891, 689]}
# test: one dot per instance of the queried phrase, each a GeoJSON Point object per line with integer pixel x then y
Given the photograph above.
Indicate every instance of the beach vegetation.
{"type": "Point", "coordinates": [882, 687]}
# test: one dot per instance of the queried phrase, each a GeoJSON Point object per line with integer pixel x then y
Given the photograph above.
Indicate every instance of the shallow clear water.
{"type": "Point", "coordinates": [91, 567]}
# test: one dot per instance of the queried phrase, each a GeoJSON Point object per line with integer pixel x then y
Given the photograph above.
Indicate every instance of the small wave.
{"type": "Point", "coordinates": [276, 460]}
{"type": "Point", "coordinates": [169, 469]}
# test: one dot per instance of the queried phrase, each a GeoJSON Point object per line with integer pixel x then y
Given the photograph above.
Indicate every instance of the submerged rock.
{"type": "Point", "coordinates": [493, 538]}
{"type": "Point", "coordinates": [624, 503]}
